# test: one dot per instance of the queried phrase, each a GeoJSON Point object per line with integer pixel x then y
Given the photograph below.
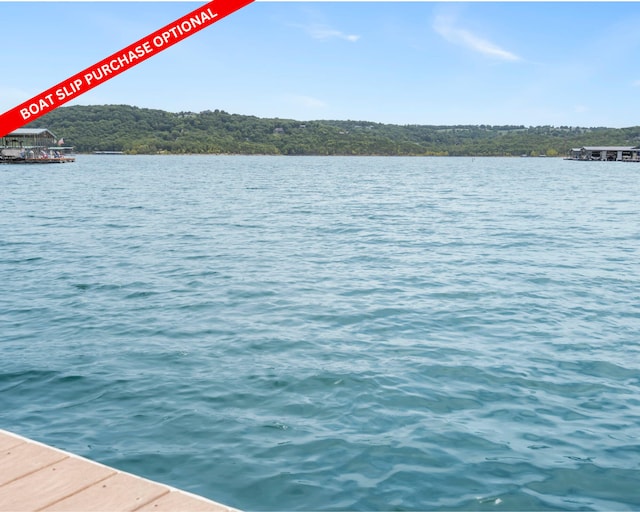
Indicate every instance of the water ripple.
{"type": "Point", "coordinates": [331, 333]}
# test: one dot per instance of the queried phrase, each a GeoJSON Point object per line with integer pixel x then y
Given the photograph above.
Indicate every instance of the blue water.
{"type": "Point", "coordinates": [331, 333]}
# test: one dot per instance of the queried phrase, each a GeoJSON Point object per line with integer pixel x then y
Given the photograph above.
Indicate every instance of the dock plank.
{"type": "Point", "coordinates": [34, 476]}
{"type": "Point", "coordinates": [175, 500]}
{"type": "Point", "coordinates": [118, 492]}
{"type": "Point", "coordinates": [51, 484]}
{"type": "Point", "coordinates": [25, 458]}
{"type": "Point", "coordinates": [7, 441]}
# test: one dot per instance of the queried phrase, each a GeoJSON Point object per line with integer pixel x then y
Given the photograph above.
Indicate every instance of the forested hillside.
{"type": "Point", "coordinates": [139, 130]}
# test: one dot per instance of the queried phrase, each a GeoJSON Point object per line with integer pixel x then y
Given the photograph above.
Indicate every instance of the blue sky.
{"type": "Point", "coordinates": [530, 63]}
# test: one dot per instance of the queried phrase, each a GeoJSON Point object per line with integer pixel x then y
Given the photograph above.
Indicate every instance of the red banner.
{"type": "Point", "coordinates": [117, 63]}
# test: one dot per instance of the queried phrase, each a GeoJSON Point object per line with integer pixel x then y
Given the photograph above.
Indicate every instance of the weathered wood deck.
{"type": "Point", "coordinates": [34, 476]}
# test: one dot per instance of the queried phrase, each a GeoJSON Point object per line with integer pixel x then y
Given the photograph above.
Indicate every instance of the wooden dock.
{"type": "Point", "coordinates": [34, 476]}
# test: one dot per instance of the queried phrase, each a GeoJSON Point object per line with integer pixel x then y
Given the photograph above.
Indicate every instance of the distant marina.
{"type": "Point", "coordinates": [34, 146]}
{"type": "Point", "coordinates": [606, 153]}
{"type": "Point", "coordinates": [40, 145]}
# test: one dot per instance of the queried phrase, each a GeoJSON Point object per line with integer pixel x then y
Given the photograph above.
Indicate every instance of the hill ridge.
{"type": "Point", "coordinates": [139, 130]}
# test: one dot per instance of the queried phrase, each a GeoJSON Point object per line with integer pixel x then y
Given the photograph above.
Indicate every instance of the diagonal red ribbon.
{"type": "Point", "coordinates": [117, 63]}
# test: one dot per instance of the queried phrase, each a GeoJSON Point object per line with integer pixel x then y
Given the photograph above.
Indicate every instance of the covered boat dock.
{"type": "Point", "coordinates": [34, 146]}
{"type": "Point", "coordinates": [606, 153]}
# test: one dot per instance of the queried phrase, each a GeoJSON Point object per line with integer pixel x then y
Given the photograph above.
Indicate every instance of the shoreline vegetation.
{"type": "Point", "coordinates": [134, 130]}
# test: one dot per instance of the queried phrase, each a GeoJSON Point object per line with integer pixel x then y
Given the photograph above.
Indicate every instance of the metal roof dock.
{"type": "Point", "coordinates": [606, 153]}
{"type": "Point", "coordinates": [34, 146]}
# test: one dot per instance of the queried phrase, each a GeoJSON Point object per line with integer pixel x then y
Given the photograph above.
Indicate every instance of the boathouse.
{"type": "Point", "coordinates": [33, 145]}
{"type": "Point", "coordinates": [606, 153]}
{"type": "Point", "coordinates": [28, 138]}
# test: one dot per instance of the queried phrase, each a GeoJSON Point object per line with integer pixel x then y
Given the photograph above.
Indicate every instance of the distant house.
{"type": "Point", "coordinates": [278, 130]}
{"type": "Point", "coordinates": [606, 153]}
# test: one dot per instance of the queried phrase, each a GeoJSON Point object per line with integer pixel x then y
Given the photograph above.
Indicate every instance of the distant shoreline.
{"type": "Point", "coordinates": [133, 130]}
{"type": "Point", "coordinates": [106, 153]}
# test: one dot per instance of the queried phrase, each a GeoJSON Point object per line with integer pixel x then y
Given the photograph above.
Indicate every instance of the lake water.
{"type": "Point", "coordinates": [283, 333]}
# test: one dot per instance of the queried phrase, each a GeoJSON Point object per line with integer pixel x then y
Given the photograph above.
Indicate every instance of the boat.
{"type": "Point", "coordinates": [34, 146]}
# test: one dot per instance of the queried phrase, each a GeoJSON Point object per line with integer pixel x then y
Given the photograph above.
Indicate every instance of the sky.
{"type": "Point", "coordinates": [430, 63]}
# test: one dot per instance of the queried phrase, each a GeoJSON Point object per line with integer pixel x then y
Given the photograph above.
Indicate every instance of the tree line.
{"type": "Point", "coordinates": [135, 130]}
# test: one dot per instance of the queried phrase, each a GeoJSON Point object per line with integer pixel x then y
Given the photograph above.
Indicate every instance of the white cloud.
{"type": "Point", "coordinates": [445, 27]}
{"type": "Point", "coordinates": [323, 32]}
